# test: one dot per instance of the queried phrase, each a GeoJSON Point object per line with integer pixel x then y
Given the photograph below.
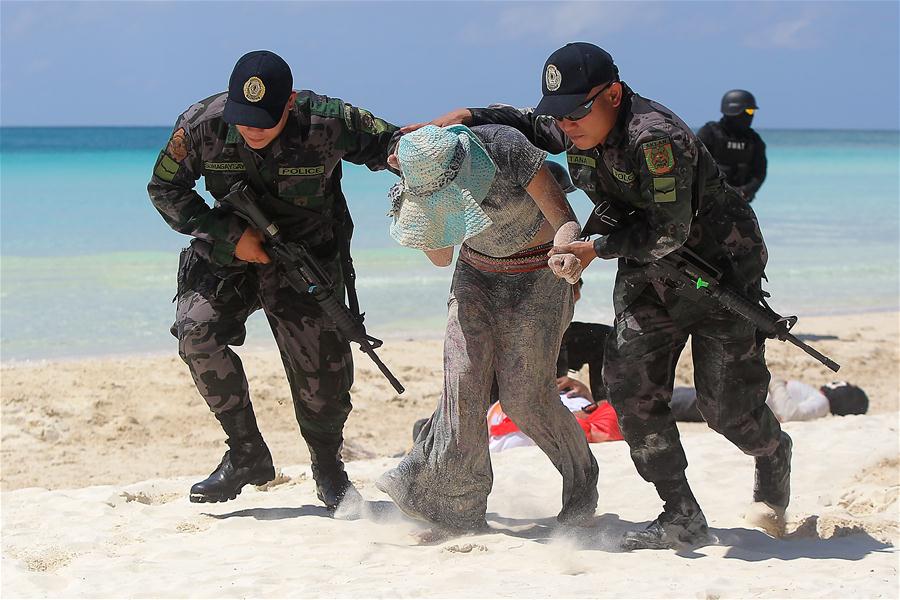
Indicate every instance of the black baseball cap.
{"type": "Point", "coordinates": [569, 75]}
{"type": "Point", "coordinates": [260, 86]}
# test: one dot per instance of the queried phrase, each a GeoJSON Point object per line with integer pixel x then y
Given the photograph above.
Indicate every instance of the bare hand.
{"type": "Point", "coordinates": [573, 388]}
{"type": "Point", "coordinates": [583, 251]}
{"type": "Point", "coordinates": [565, 266]}
{"type": "Point", "coordinates": [249, 247]}
{"type": "Point", "coordinates": [460, 116]}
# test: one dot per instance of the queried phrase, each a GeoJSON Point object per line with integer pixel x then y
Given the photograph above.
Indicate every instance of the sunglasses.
{"type": "Point", "coordinates": [750, 111]}
{"type": "Point", "coordinates": [583, 110]}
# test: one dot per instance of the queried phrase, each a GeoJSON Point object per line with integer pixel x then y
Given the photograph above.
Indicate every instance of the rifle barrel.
{"type": "Point", "coordinates": [812, 352]}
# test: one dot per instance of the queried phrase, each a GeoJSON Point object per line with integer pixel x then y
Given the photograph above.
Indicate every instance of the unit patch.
{"type": "Point", "coordinates": [579, 159]}
{"type": "Point", "coordinates": [178, 145]}
{"type": "Point", "coordinates": [224, 166]}
{"type": "Point", "coordinates": [658, 154]}
{"type": "Point", "coordinates": [664, 189]}
{"type": "Point", "coordinates": [301, 171]}
{"type": "Point", "coordinates": [166, 168]}
{"type": "Point", "coordinates": [623, 176]}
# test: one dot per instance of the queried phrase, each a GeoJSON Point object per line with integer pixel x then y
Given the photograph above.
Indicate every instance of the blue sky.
{"type": "Point", "coordinates": [810, 64]}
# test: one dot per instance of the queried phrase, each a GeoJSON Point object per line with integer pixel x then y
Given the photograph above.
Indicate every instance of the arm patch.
{"type": "Point", "coordinates": [178, 145]}
{"type": "Point", "coordinates": [166, 168]}
{"type": "Point", "coordinates": [659, 156]}
{"type": "Point", "coordinates": [664, 189]}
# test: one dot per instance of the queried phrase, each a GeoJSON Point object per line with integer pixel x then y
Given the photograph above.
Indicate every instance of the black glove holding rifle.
{"type": "Point", "coordinates": [306, 276]}
{"type": "Point", "coordinates": [692, 276]}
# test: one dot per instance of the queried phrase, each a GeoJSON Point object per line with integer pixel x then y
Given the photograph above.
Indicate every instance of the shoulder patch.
{"type": "Point", "coordinates": [659, 157]}
{"type": "Point", "coordinates": [166, 168]}
{"type": "Point", "coordinates": [178, 145]}
{"type": "Point", "coordinates": [664, 189]}
{"type": "Point", "coordinates": [579, 159]}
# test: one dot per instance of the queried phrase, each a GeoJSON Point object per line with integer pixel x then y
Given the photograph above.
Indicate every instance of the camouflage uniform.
{"type": "Point", "coordinates": [217, 292]}
{"type": "Point", "coordinates": [653, 164]}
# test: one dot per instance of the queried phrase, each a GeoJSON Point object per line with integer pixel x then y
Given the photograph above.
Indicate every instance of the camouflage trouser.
{"type": "Point", "coordinates": [511, 325]}
{"type": "Point", "coordinates": [213, 307]}
{"type": "Point", "coordinates": [730, 375]}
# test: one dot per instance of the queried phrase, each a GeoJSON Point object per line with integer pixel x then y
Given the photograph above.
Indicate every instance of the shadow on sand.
{"type": "Point", "coordinates": [605, 531]}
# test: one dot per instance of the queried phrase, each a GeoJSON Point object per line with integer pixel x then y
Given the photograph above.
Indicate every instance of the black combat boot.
{"type": "Point", "coordinates": [332, 484]}
{"type": "Point", "coordinates": [247, 460]}
{"type": "Point", "coordinates": [772, 483]}
{"type": "Point", "coordinates": [680, 524]}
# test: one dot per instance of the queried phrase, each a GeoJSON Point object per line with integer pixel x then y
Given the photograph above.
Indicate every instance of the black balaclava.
{"type": "Point", "coordinates": [737, 123]}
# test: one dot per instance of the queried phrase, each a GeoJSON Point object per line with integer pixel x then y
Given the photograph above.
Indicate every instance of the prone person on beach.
{"type": "Point", "coordinates": [790, 400]}
{"type": "Point", "coordinates": [634, 157]}
{"type": "Point", "coordinates": [286, 147]}
{"type": "Point", "coordinates": [487, 189]}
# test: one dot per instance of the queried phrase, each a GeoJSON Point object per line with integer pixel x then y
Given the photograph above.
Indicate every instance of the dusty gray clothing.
{"type": "Point", "coordinates": [516, 218]}
{"type": "Point", "coordinates": [511, 324]}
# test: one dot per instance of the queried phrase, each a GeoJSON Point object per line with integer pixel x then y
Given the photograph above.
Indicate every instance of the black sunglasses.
{"type": "Point", "coordinates": [583, 110]}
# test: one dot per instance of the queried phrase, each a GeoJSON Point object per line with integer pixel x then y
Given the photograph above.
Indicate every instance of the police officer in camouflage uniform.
{"type": "Point", "coordinates": [295, 141]}
{"type": "Point", "coordinates": [634, 157]}
{"type": "Point", "coordinates": [737, 148]}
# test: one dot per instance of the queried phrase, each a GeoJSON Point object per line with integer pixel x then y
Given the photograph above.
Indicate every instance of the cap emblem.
{"type": "Point", "coordinates": [254, 89]}
{"type": "Point", "coordinates": [553, 78]}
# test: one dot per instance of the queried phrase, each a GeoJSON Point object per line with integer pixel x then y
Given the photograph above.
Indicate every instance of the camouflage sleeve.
{"type": "Point", "coordinates": [172, 192]}
{"type": "Point", "coordinates": [666, 174]}
{"type": "Point", "coordinates": [758, 173]}
{"type": "Point", "coordinates": [542, 131]}
{"type": "Point", "coordinates": [367, 139]}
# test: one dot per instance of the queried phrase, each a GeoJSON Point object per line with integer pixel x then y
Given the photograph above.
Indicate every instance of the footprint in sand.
{"type": "Point", "coordinates": [46, 559]}
{"type": "Point", "coordinates": [148, 498]}
{"type": "Point", "coordinates": [465, 548]}
{"type": "Point", "coordinates": [189, 527]}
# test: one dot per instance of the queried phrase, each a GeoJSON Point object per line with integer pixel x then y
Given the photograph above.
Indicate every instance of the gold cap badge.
{"type": "Point", "coordinates": [553, 78]}
{"type": "Point", "coordinates": [254, 89]}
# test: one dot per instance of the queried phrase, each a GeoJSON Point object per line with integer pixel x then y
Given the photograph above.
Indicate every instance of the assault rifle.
{"type": "Point", "coordinates": [306, 276]}
{"type": "Point", "coordinates": [691, 275]}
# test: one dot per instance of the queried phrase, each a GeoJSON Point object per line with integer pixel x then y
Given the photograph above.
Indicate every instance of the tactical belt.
{"type": "Point", "coordinates": [530, 259]}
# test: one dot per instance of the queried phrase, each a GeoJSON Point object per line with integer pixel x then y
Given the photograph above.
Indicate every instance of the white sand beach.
{"type": "Point", "coordinates": [78, 435]}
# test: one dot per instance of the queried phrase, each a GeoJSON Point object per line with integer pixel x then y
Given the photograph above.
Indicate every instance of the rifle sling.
{"type": "Point", "coordinates": [258, 185]}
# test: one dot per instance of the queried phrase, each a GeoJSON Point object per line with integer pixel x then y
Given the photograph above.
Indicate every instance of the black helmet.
{"type": "Point", "coordinates": [561, 175]}
{"type": "Point", "coordinates": [735, 102]}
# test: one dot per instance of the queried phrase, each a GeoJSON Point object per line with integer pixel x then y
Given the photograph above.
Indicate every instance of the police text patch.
{"type": "Point", "coordinates": [623, 176]}
{"type": "Point", "coordinates": [664, 189]}
{"type": "Point", "coordinates": [659, 157]}
{"type": "Point", "coordinates": [301, 171]}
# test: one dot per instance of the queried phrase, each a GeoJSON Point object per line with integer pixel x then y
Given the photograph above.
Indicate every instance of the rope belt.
{"type": "Point", "coordinates": [530, 259]}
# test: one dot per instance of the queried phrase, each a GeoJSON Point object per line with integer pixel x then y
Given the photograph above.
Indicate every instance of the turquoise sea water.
{"type": "Point", "coordinates": [87, 266]}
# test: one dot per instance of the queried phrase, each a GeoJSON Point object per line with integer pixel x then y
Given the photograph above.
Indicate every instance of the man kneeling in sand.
{"type": "Point", "coordinates": [508, 309]}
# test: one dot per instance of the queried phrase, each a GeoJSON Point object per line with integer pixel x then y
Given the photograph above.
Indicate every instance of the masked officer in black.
{"type": "Point", "coordinates": [737, 148]}
{"type": "Point", "coordinates": [285, 147]}
{"type": "Point", "coordinates": [637, 158]}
